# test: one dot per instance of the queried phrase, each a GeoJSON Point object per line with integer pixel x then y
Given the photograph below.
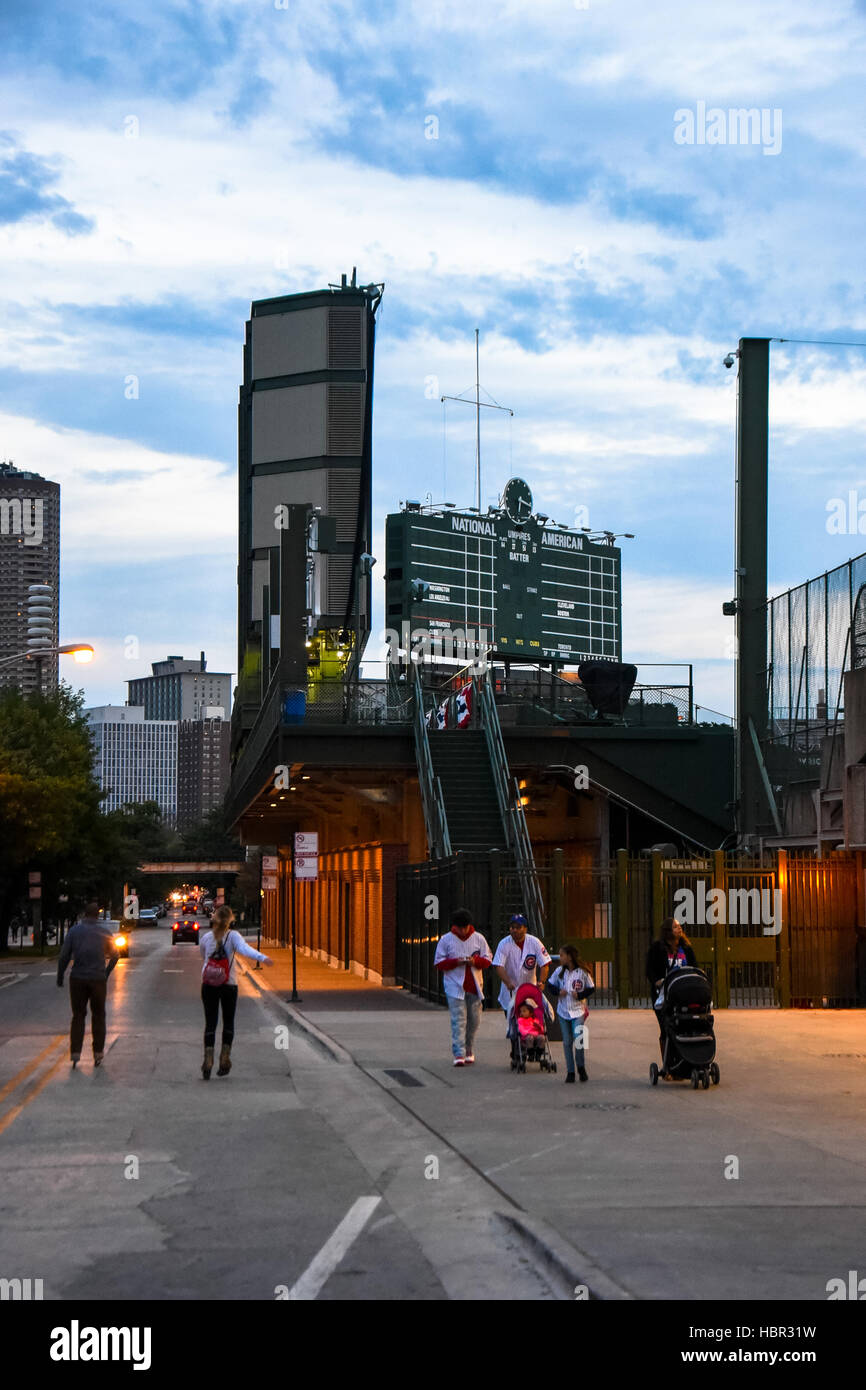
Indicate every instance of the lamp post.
{"type": "Point", "coordinates": [82, 651]}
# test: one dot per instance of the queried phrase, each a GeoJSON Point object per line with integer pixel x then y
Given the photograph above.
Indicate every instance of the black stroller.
{"type": "Point", "coordinates": [689, 1043]}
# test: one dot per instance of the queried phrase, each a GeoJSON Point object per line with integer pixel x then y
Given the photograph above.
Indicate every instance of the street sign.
{"type": "Point", "coordinates": [35, 890]}
{"type": "Point", "coordinates": [306, 857]}
{"type": "Point", "coordinates": [269, 882]}
{"type": "Point", "coordinates": [35, 877]}
{"type": "Point", "coordinates": [269, 863]}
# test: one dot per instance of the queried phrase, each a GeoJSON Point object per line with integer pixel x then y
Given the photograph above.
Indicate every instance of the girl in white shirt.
{"type": "Point", "coordinates": [573, 984]}
{"type": "Point", "coordinates": [219, 985]}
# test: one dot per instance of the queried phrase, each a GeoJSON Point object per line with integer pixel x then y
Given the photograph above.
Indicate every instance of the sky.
{"type": "Point", "coordinates": [519, 166]}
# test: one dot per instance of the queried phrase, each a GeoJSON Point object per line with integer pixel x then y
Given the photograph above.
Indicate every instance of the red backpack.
{"type": "Point", "coordinates": [217, 967]}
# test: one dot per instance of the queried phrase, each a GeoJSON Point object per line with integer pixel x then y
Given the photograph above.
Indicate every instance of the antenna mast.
{"type": "Point", "coordinates": [478, 403]}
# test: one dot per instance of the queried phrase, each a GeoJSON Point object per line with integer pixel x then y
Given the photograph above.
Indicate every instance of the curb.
{"type": "Point", "coordinates": [546, 1247]}
{"type": "Point", "coordinates": [332, 1050]}
{"type": "Point", "coordinates": [569, 1264]}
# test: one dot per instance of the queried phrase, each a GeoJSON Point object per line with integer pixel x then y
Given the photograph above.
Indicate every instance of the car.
{"type": "Point", "coordinates": [147, 917]}
{"type": "Point", "coordinates": [185, 929]}
{"type": "Point", "coordinates": [119, 936]}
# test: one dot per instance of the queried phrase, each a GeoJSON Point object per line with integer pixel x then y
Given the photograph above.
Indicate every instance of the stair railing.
{"type": "Point", "coordinates": [432, 801]}
{"type": "Point", "coordinates": [510, 805]}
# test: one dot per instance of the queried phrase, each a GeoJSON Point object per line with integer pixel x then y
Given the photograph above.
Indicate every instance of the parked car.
{"type": "Point", "coordinates": [147, 917]}
{"type": "Point", "coordinates": [185, 929]}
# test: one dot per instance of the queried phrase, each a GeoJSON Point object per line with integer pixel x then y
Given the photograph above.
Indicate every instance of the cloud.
{"type": "Point", "coordinates": [122, 503]}
{"type": "Point", "coordinates": [26, 183]}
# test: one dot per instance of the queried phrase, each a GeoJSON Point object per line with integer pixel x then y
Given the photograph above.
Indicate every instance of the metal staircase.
{"type": "Point", "coordinates": [438, 837]}
{"type": "Point", "coordinates": [471, 801]}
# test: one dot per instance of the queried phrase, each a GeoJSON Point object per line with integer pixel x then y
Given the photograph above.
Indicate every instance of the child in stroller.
{"type": "Point", "coordinates": [527, 1030]}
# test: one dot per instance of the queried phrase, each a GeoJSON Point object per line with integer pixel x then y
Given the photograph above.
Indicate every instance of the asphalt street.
{"type": "Point", "coordinates": [139, 1180]}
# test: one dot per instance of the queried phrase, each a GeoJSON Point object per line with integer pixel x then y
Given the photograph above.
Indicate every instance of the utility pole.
{"type": "Point", "coordinates": [753, 792]}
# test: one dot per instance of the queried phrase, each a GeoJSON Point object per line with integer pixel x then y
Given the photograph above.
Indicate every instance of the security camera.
{"type": "Point", "coordinates": [729, 360]}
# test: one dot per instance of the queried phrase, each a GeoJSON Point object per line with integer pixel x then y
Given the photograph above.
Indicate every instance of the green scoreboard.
{"type": "Point", "coordinates": [510, 581]}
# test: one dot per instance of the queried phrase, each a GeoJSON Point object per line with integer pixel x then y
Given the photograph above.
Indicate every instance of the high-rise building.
{"type": "Point", "coordinates": [136, 758]}
{"type": "Point", "coordinates": [304, 442]}
{"type": "Point", "coordinates": [202, 768]}
{"type": "Point", "coordinates": [180, 689]}
{"type": "Point", "coordinates": [29, 554]}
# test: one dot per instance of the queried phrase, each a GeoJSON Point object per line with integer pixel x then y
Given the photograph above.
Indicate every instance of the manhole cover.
{"type": "Point", "coordinates": [602, 1105]}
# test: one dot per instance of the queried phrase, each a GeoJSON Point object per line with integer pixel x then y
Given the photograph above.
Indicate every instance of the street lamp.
{"type": "Point", "coordinates": [81, 651]}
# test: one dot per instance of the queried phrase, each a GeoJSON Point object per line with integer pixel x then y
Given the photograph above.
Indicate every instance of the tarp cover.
{"type": "Point", "coordinates": [608, 684]}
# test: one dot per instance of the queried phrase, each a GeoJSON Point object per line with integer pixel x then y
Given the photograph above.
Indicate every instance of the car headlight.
{"type": "Point", "coordinates": [120, 941]}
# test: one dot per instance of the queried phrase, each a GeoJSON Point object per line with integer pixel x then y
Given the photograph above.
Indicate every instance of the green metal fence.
{"type": "Point", "coordinates": [786, 931]}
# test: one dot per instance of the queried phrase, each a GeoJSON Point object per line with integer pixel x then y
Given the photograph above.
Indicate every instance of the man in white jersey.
{"type": "Point", "coordinates": [519, 959]}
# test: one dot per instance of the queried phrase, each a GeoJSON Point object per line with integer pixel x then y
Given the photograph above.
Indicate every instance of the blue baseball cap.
{"type": "Point", "coordinates": [518, 920]}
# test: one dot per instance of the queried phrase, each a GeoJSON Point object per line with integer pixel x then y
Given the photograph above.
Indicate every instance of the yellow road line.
{"type": "Point", "coordinates": [31, 1066]}
{"type": "Point", "coordinates": [31, 1095]}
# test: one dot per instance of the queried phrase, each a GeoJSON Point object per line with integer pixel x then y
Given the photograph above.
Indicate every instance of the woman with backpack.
{"type": "Point", "coordinates": [219, 986]}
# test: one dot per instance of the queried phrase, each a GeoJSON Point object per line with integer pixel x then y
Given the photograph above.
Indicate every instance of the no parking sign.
{"type": "Point", "coordinates": [306, 857]}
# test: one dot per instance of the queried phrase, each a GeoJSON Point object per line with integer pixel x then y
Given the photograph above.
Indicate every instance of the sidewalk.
{"type": "Point", "coordinates": [322, 988]}
{"type": "Point", "coordinates": [637, 1179]}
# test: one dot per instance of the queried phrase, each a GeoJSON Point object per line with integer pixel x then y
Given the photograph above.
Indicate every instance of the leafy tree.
{"type": "Point", "coordinates": [49, 795]}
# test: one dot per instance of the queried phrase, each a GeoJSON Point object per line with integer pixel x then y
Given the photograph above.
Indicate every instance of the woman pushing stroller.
{"type": "Point", "coordinates": [672, 951]}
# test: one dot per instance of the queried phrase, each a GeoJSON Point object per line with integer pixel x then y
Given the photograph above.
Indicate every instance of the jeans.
{"type": "Point", "coordinates": [212, 996]}
{"type": "Point", "coordinates": [572, 1034]}
{"type": "Point", "coordinates": [465, 1018]}
{"type": "Point", "coordinates": [82, 992]}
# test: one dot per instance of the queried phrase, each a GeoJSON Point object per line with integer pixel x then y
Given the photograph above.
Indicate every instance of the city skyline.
{"type": "Point", "coordinates": [556, 204]}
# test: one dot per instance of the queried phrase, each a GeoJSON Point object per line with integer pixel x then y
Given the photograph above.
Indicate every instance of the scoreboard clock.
{"type": "Point", "coordinates": [534, 591]}
{"type": "Point", "coordinates": [517, 501]}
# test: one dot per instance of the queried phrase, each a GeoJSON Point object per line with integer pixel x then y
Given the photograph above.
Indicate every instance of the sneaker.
{"type": "Point", "coordinates": [569, 1076]}
{"type": "Point", "coordinates": [469, 1058]}
{"type": "Point", "coordinates": [459, 1061]}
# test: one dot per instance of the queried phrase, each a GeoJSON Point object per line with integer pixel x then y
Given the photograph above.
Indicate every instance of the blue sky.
{"type": "Point", "coordinates": [161, 166]}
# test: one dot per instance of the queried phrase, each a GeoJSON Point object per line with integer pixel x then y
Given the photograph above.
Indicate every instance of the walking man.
{"type": "Point", "coordinates": [519, 959]}
{"type": "Point", "coordinates": [461, 955]}
{"type": "Point", "coordinates": [90, 946]}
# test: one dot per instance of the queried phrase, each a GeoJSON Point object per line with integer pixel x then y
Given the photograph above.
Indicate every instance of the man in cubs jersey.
{"type": "Point", "coordinates": [519, 957]}
{"type": "Point", "coordinates": [461, 955]}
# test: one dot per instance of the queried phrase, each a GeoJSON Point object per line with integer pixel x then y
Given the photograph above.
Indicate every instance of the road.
{"type": "Point", "coordinates": [357, 1164]}
{"type": "Point", "coordinates": [139, 1180]}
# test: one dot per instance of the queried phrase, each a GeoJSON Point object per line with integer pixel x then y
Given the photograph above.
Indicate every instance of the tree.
{"type": "Point", "coordinates": [49, 795]}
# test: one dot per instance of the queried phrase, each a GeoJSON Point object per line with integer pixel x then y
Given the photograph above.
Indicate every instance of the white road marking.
{"type": "Point", "coordinates": [46, 973]}
{"type": "Point", "coordinates": [314, 1278]}
{"type": "Point", "coordinates": [7, 980]}
{"type": "Point", "coordinates": [172, 972]}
